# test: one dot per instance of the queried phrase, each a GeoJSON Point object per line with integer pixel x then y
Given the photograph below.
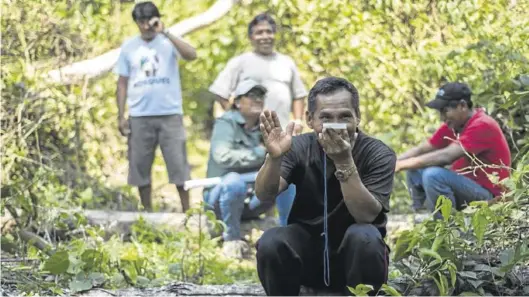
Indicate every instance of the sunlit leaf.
{"type": "Point", "coordinates": [58, 263]}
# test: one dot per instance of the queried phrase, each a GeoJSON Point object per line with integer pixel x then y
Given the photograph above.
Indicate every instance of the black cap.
{"type": "Point", "coordinates": [450, 92]}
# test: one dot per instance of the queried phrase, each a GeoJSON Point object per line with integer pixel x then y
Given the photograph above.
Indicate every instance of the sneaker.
{"type": "Point", "coordinates": [236, 249]}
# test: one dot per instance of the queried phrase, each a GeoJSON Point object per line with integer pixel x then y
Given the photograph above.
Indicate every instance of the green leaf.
{"type": "Point", "coordinates": [361, 289]}
{"type": "Point", "coordinates": [437, 242]}
{"type": "Point", "coordinates": [439, 285]}
{"type": "Point", "coordinates": [390, 290]}
{"type": "Point", "coordinates": [89, 257]}
{"type": "Point", "coordinates": [402, 246]}
{"type": "Point", "coordinates": [97, 278]}
{"type": "Point", "coordinates": [431, 253]}
{"type": "Point", "coordinates": [130, 254]}
{"type": "Point", "coordinates": [506, 256]}
{"type": "Point", "coordinates": [131, 273]}
{"type": "Point", "coordinates": [468, 274]}
{"type": "Point", "coordinates": [476, 283]}
{"type": "Point", "coordinates": [479, 223]}
{"type": "Point", "coordinates": [498, 272]}
{"type": "Point", "coordinates": [158, 282]}
{"type": "Point", "coordinates": [453, 276]}
{"type": "Point", "coordinates": [75, 265]}
{"type": "Point", "coordinates": [117, 280]}
{"type": "Point", "coordinates": [446, 207]}
{"type": "Point", "coordinates": [58, 263]}
{"type": "Point", "coordinates": [80, 285]}
{"type": "Point", "coordinates": [482, 267]}
{"type": "Point", "coordinates": [142, 281]}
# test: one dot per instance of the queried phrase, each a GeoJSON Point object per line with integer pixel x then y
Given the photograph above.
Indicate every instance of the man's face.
{"type": "Point", "coordinates": [262, 38]}
{"type": "Point", "coordinates": [251, 104]}
{"type": "Point", "coordinates": [454, 116]}
{"type": "Point", "coordinates": [147, 31]}
{"type": "Point", "coordinates": [334, 108]}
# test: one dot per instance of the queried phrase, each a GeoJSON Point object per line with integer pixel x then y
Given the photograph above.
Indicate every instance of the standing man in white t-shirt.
{"type": "Point", "coordinates": [149, 82]}
{"type": "Point", "coordinates": [277, 73]}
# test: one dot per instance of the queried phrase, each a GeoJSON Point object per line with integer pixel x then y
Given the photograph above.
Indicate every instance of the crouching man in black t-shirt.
{"type": "Point", "coordinates": [359, 179]}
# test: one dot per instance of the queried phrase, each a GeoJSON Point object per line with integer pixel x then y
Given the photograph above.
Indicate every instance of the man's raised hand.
{"type": "Point", "coordinates": [276, 141]}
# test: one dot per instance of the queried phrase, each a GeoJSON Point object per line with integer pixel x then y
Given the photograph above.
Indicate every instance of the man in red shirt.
{"type": "Point", "coordinates": [470, 140]}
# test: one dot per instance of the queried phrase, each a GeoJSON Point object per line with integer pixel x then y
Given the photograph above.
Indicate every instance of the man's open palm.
{"type": "Point", "coordinates": [276, 141]}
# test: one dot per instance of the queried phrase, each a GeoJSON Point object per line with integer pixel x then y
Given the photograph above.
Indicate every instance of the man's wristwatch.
{"type": "Point", "coordinates": [343, 175]}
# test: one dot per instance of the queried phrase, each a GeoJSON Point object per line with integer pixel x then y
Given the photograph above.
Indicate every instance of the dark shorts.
{"type": "Point", "coordinates": [145, 135]}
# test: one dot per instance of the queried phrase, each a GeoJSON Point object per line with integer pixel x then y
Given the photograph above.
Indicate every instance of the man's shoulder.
{"type": "Point", "coordinates": [231, 116]}
{"type": "Point", "coordinates": [241, 57]}
{"type": "Point", "coordinates": [484, 119]}
{"type": "Point", "coordinates": [369, 145]}
{"type": "Point", "coordinates": [285, 58]}
{"type": "Point", "coordinates": [130, 42]}
{"type": "Point", "coordinates": [305, 138]}
{"type": "Point", "coordinates": [228, 115]}
{"type": "Point", "coordinates": [483, 122]}
{"type": "Point", "coordinates": [301, 143]}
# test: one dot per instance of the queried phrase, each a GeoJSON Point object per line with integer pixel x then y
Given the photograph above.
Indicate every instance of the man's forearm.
{"type": "Point", "coordinates": [425, 160]}
{"type": "Point", "coordinates": [413, 152]}
{"type": "Point", "coordinates": [225, 103]}
{"type": "Point", "coordinates": [298, 108]}
{"type": "Point", "coordinates": [358, 200]}
{"type": "Point", "coordinates": [121, 99]}
{"type": "Point", "coordinates": [268, 179]}
{"type": "Point", "coordinates": [185, 49]}
{"type": "Point", "coordinates": [421, 149]}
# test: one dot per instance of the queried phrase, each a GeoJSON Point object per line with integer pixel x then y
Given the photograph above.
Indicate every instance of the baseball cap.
{"type": "Point", "coordinates": [454, 91]}
{"type": "Point", "coordinates": [246, 86]}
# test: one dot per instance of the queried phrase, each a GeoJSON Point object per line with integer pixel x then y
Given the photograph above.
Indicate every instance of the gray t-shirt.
{"type": "Point", "coordinates": [277, 72]}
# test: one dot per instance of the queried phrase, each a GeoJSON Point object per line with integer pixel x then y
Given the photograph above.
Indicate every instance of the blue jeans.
{"type": "Point", "coordinates": [228, 201]}
{"type": "Point", "coordinates": [426, 185]}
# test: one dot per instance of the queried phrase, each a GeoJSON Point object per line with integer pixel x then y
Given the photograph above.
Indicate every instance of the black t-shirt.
{"type": "Point", "coordinates": [303, 166]}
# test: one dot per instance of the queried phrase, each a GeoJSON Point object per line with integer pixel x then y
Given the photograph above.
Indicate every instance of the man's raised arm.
{"type": "Point", "coordinates": [269, 182]}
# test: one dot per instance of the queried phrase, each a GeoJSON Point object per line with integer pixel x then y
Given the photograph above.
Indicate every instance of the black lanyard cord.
{"type": "Point", "coordinates": [325, 234]}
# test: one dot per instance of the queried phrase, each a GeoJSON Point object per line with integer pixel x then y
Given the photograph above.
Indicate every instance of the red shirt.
{"type": "Point", "coordinates": [483, 139]}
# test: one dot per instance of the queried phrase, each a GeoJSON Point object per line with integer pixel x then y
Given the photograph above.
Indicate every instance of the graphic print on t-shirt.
{"type": "Point", "coordinates": [150, 73]}
{"type": "Point", "coordinates": [150, 63]}
{"type": "Point", "coordinates": [154, 79]}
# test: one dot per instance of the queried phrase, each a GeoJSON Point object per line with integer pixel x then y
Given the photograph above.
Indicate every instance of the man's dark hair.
{"type": "Point", "coordinates": [330, 85]}
{"type": "Point", "coordinates": [145, 11]}
{"type": "Point", "coordinates": [262, 17]}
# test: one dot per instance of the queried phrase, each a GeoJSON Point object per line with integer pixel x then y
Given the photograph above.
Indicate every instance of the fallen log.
{"type": "Point", "coordinates": [120, 221]}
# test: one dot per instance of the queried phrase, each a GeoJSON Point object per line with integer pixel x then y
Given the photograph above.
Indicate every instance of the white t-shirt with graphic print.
{"type": "Point", "coordinates": [154, 86]}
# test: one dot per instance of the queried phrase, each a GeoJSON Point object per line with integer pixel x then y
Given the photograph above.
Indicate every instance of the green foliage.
{"type": "Point", "coordinates": [61, 148]}
{"type": "Point", "coordinates": [441, 250]}
{"type": "Point", "coordinates": [153, 256]}
{"type": "Point", "coordinates": [58, 263]}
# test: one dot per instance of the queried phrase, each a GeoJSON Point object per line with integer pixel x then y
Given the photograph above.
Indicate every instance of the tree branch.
{"type": "Point", "coordinates": [95, 67]}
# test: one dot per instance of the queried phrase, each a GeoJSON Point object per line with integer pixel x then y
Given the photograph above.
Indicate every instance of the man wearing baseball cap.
{"type": "Point", "coordinates": [470, 141]}
{"type": "Point", "coordinates": [236, 149]}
